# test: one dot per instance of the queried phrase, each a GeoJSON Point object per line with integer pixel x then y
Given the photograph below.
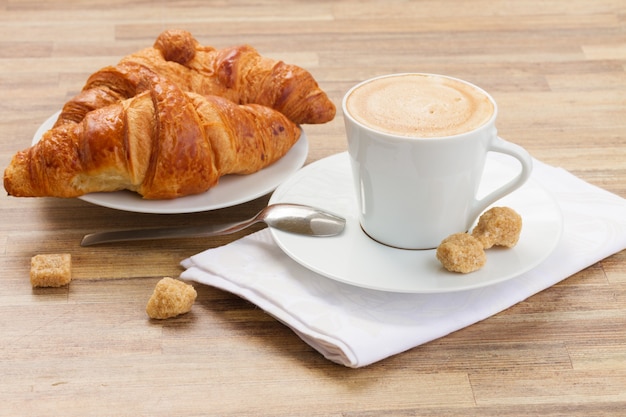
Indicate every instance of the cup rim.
{"type": "Point", "coordinates": [394, 136]}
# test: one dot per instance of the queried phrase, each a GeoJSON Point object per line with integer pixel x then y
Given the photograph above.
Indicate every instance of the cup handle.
{"type": "Point", "coordinates": [517, 152]}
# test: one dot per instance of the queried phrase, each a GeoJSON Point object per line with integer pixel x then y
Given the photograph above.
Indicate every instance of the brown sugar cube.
{"type": "Point", "coordinates": [461, 252]}
{"type": "Point", "coordinates": [52, 270]}
{"type": "Point", "coordinates": [171, 297]}
{"type": "Point", "coordinates": [498, 226]}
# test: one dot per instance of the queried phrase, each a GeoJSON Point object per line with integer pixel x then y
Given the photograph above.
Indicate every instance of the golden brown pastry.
{"type": "Point", "coordinates": [237, 73]}
{"type": "Point", "coordinates": [461, 252]}
{"type": "Point", "coordinates": [162, 143]}
{"type": "Point", "coordinates": [498, 226]}
{"type": "Point", "coordinates": [170, 298]}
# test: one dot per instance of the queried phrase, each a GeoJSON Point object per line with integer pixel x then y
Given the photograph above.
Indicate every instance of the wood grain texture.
{"type": "Point", "coordinates": [558, 72]}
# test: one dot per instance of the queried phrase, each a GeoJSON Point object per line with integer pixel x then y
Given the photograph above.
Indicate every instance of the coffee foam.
{"type": "Point", "coordinates": [419, 105]}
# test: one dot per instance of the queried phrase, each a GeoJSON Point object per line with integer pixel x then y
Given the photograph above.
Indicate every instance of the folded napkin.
{"type": "Point", "coordinates": [356, 327]}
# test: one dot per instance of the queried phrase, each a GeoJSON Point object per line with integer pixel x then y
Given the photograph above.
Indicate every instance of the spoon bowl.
{"type": "Point", "coordinates": [302, 220]}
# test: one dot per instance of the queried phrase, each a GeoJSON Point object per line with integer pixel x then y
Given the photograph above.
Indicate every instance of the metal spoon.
{"type": "Point", "coordinates": [293, 218]}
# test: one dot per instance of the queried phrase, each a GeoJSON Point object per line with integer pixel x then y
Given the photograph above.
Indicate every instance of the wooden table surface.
{"type": "Point", "coordinates": [558, 72]}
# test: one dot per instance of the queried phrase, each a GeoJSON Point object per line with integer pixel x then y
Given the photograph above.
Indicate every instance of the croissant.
{"type": "Point", "coordinates": [237, 73]}
{"type": "Point", "coordinates": [162, 143]}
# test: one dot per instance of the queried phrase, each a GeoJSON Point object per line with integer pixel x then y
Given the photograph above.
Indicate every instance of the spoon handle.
{"type": "Point", "coordinates": [165, 233]}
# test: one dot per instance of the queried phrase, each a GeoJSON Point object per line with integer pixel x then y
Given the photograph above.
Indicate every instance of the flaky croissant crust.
{"type": "Point", "coordinates": [237, 73]}
{"type": "Point", "coordinates": [162, 143]}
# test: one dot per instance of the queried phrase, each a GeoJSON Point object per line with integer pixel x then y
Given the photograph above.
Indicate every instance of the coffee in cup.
{"type": "Point", "coordinates": [418, 145]}
{"type": "Point", "coordinates": [420, 106]}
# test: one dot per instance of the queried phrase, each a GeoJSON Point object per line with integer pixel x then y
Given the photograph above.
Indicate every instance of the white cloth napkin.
{"type": "Point", "coordinates": [356, 327]}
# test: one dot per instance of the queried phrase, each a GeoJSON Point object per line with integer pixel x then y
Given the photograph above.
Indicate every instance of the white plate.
{"type": "Point", "coordinates": [355, 259]}
{"type": "Point", "coordinates": [231, 190]}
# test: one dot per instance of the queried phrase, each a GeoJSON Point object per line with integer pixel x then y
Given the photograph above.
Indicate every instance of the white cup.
{"type": "Point", "coordinates": [415, 189]}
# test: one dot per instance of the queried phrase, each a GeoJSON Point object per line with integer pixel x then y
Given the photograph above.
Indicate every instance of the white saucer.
{"type": "Point", "coordinates": [355, 259]}
{"type": "Point", "coordinates": [231, 190]}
